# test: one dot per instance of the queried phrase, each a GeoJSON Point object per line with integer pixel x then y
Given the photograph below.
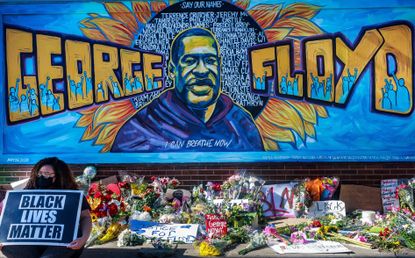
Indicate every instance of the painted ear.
{"type": "Point", "coordinates": [171, 70]}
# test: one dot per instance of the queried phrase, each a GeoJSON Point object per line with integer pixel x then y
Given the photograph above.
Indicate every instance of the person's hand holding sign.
{"type": "Point", "coordinates": [85, 224]}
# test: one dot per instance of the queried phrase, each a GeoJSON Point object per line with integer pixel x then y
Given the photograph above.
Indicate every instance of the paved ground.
{"type": "Point", "coordinates": [110, 250]}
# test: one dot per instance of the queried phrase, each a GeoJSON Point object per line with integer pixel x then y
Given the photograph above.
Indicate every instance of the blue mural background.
{"type": "Point", "coordinates": [353, 133]}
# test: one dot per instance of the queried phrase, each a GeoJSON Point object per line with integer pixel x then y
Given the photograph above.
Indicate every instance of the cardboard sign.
{"type": "Point", "coordinates": [278, 200]}
{"type": "Point", "coordinates": [321, 208]}
{"type": "Point", "coordinates": [216, 226]}
{"type": "Point", "coordinates": [40, 217]}
{"type": "Point", "coordinates": [317, 247]}
{"type": "Point", "coordinates": [241, 202]}
{"type": "Point", "coordinates": [185, 233]}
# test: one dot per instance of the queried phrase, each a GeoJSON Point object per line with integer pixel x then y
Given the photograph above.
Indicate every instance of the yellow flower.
{"type": "Point", "coordinates": [205, 249]}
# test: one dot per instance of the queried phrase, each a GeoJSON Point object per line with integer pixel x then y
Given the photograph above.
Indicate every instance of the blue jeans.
{"type": "Point", "coordinates": [33, 251]}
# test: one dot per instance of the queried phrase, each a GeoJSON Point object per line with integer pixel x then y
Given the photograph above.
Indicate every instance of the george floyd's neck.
{"type": "Point", "coordinates": [204, 114]}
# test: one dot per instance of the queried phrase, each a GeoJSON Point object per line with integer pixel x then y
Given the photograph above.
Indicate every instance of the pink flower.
{"type": "Point", "coordinates": [270, 231]}
{"type": "Point", "coordinates": [298, 238]}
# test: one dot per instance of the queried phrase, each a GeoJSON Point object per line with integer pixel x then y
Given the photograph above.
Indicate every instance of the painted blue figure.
{"type": "Point", "coordinates": [295, 86]}
{"type": "Point", "coordinates": [49, 99]}
{"type": "Point", "coordinates": [345, 85]}
{"type": "Point", "coordinates": [137, 84]}
{"type": "Point", "coordinates": [283, 84]}
{"type": "Point", "coordinates": [115, 89]}
{"type": "Point", "coordinates": [403, 100]}
{"type": "Point", "coordinates": [259, 84]}
{"type": "Point", "coordinates": [290, 89]}
{"type": "Point", "coordinates": [127, 83]}
{"type": "Point", "coordinates": [386, 102]}
{"type": "Point", "coordinates": [88, 82]}
{"type": "Point", "coordinates": [194, 115]}
{"type": "Point", "coordinates": [56, 106]}
{"type": "Point", "coordinates": [149, 83]}
{"type": "Point", "coordinates": [352, 78]}
{"type": "Point", "coordinates": [14, 97]}
{"type": "Point", "coordinates": [320, 89]}
{"type": "Point", "coordinates": [79, 88]}
{"type": "Point", "coordinates": [43, 91]}
{"type": "Point", "coordinates": [33, 107]}
{"type": "Point", "coordinates": [391, 93]}
{"type": "Point", "coordinates": [72, 86]}
{"type": "Point", "coordinates": [328, 87]}
{"type": "Point", "coordinates": [316, 86]}
{"type": "Point", "coordinates": [24, 105]}
{"type": "Point", "coordinates": [100, 90]}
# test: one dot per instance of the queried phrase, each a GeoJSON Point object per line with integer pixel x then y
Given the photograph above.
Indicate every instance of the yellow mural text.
{"type": "Point", "coordinates": [332, 67]}
{"type": "Point", "coordinates": [47, 74]}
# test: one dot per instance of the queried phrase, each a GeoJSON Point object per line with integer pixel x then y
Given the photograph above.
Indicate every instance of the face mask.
{"type": "Point", "coordinates": [44, 182]}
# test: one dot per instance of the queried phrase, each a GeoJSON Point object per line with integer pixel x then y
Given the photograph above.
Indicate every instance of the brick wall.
{"type": "Point", "coordinates": [368, 174]}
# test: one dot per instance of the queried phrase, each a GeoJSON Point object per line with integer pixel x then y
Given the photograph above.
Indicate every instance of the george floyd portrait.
{"type": "Point", "coordinates": [194, 115]}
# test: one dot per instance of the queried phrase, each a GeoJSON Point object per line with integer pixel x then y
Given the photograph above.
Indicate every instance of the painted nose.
{"type": "Point", "coordinates": [201, 68]}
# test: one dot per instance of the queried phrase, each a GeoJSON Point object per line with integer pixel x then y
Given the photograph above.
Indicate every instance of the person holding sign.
{"type": "Point", "coordinates": [52, 174]}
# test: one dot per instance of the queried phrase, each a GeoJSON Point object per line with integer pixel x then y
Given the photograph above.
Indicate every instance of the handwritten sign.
{"type": "Point", "coordinates": [40, 217]}
{"type": "Point", "coordinates": [388, 193]}
{"type": "Point", "coordinates": [185, 233]}
{"type": "Point", "coordinates": [278, 200]}
{"type": "Point", "coordinates": [321, 208]}
{"type": "Point", "coordinates": [216, 226]}
{"type": "Point", "coordinates": [317, 247]}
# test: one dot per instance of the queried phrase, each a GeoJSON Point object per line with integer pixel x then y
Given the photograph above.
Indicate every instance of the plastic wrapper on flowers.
{"type": "Point", "coordinates": [130, 238]}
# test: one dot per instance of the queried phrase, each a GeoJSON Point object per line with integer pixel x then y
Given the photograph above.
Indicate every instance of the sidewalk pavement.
{"type": "Point", "coordinates": [110, 250]}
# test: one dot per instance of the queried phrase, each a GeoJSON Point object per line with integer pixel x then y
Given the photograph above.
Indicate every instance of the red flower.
{"type": "Point", "coordinates": [216, 187]}
{"type": "Point", "coordinates": [316, 224]}
{"type": "Point", "coordinates": [98, 195]}
{"type": "Point", "coordinates": [153, 178]}
{"type": "Point", "coordinates": [146, 208]}
{"type": "Point", "coordinates": [112, 209]}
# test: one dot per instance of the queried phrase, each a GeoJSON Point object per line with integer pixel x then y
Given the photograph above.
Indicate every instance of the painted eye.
{"type": "Point", "coordinates": [189, 60]}
{"type": "Point", "coordinates": [211, 60]}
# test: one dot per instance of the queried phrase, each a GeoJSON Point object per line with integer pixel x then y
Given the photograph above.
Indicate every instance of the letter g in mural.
{"type": "Point", "coordinates": [209, 81]}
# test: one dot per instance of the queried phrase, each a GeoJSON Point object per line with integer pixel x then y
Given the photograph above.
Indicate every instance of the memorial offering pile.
{"type": "Point", "coordinates": [218, 216]}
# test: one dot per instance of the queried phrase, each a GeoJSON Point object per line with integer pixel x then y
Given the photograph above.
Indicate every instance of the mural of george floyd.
{"type": "Point", "coordinates": [201, 89]}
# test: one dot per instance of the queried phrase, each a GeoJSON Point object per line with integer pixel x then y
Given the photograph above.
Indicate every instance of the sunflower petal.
{"type": "Point", "coordinates": [321, 111]}
{"type": "Point", "coordinates": [282, 114]}
{"type": "Point", "coordinates": [309, 129]}
{"type": "Point", "coordinates": [301, 27]}
{"type": "Point", "coordinates": [121, 13]}
{"type": "Point", "coordinates": [93, 34]}
{"type": "Point", "coordinates": [265, 14]}
{"type": "Point", "coordinates": [158, 6]}
{"type": "Point", "coordinates": [302, 10]}
{"type": "Point", "coordinates": [113, 30]}
{"type": "Point", "coordinates": [306, 110]}
{"type": "Point", "coordinates": [242, 3]}
{"type": "Point", "coordinates": [274, 34]}
{"type": "Point", "coordinates": [270, 145]}
{"type": "Point", "coordinates": [114, 112]}
{"type": "Point", "coordinates": [274, 132]}
{"type": "Point", "coordinates": [142, 11]}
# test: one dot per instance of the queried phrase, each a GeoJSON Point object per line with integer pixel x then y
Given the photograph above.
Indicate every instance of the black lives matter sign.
{"type": "Point", "coordinates": [40, 217]}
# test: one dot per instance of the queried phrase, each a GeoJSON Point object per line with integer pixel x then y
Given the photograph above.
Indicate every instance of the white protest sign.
{"type": "Point", "coordinates": [278, 200]}
{"type": "Point", "coordinates": [185, 233]}
{"type": "Point", "coordinates": [388, 193]}
{"type": "Point", "coordinates": [321, 208]}
{"type": "Point", "coordinates": [317, 247]}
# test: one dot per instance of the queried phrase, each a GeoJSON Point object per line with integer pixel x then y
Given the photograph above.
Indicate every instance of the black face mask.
{"type": "Point", "coordinates": [44, 182]}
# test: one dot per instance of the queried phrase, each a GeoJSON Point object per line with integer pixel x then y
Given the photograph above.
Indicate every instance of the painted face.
{"type": "Point", "coordinates": [197, 72]}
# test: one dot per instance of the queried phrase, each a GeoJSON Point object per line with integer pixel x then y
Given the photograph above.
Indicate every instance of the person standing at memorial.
{"type": "Point", "coordinates": [53, 173]}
